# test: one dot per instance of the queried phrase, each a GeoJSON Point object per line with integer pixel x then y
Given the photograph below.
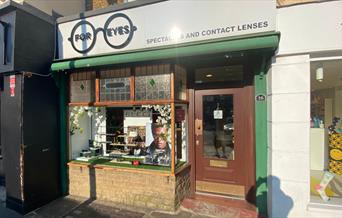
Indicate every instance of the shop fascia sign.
{"type": "Point", "coordinates": [163, 24]}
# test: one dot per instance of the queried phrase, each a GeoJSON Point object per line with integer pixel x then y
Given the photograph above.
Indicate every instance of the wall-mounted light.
{"type": "Point", "coordinates": [209, 75]}
{"type": "Point", "coordinates": [319, 73]}
{"type": "Point", "coordinates": [227, 56]}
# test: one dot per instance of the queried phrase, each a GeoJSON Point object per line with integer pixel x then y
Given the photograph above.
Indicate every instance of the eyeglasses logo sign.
{"type": "Point", "coordinates": [118, 32]}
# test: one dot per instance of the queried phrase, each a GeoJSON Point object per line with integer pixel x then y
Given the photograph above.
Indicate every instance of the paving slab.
{"type": "Point", "coordinates": [2, 196]}
{"type": "Point", "coordinates": [98, 210]}
{"type": "Point", "coordinates": [7, 213]}
{"type": "Point", "coordinates": [180, 214]}
{"type": "Point", "coordinates": [58, 208]}
{"type": "Point", "coordinates": [74, 207]}
{"type": "Point", "coordinates": [206, 208]}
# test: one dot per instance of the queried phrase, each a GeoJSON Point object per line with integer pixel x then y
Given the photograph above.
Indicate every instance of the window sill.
{"type": "Point", "coordinates": [335, 204]}
{"type": "Point", "coordinates": [105, 164]}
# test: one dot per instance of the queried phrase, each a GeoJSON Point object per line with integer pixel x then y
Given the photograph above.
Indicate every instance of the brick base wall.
{"type": "Point", "coordinates": [130, 187]}
{"type": "Point", "coordinates": [182, 187]}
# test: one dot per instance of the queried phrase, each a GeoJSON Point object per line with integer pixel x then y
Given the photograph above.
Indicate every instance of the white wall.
{"type": "Point", "coordinates": [288, 124]}
{"type": "Point", "coordinates": [79, 141]}
{"type": "Point", "coordinates": [310, 27]}
{"type": "Point", "coordinates": [289, 139]}
{"type": "Point", "coordinates": [306, 30]}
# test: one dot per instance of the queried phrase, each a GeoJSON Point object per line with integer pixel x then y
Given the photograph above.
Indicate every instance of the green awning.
{"type": "Point", "coordinates": [269, 42]}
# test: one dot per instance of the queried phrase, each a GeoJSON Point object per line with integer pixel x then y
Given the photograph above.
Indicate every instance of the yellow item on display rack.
{"type": "Point", "coordinates": [313, 184]}
{"type": "Point", "coordinates": [335, 144]}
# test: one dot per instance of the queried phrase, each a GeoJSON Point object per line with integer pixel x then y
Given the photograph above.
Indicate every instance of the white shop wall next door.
{"type": "Point", "coordinates": [307, 30]}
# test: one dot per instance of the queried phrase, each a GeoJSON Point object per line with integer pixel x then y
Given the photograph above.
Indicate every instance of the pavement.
{"type": "Point", "coordinates": [76, 207]}
{"type": "Point", "coordinates": [5, 212]}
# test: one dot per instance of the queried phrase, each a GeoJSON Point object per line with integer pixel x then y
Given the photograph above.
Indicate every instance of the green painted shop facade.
{"type": "Point", "coordinates": [189, 87]}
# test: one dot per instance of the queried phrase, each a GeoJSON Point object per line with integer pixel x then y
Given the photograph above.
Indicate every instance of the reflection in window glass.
{"type": "Point", "coordinates": [218, 126]}
{"type": "Point", "coordinates": [326, 132]}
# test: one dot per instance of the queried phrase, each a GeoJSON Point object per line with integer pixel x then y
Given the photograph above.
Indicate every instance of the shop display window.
{"type": "Point", "coordinates": [82, 86]}
{"type": "Point", "coordinates": [153, 82]}
{"type": "Point", "coordinates": [129, 116]}
{"type": "Point", "coordinates": [115, 85]}
{"type": "Point", "coordinates": [181, 133]}
{"type": "Point", "coordinates": [326, 133]}
{"type": "Point", "coordinates": [134, 136]}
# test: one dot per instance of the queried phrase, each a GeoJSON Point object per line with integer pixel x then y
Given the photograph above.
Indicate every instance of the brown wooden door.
{"type": "Point", "coordinates": [224, 141]}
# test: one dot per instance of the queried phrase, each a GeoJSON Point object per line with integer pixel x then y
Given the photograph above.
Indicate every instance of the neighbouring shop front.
{"type": "Point", "coordinates": [162, 101]}
{"type": "Point", "coordinates": [29, 108]}
{"type": "Point", "coordinates": [306, 111]}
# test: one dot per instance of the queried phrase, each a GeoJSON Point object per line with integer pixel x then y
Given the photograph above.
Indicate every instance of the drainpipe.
{"type": "Point", "coordinates": [61, 84]}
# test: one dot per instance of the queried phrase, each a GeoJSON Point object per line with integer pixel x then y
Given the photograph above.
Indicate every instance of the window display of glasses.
{"type": "Point", "coordinates": [122, 135]}
{"type": "Point", "coordinates": [117, 126]}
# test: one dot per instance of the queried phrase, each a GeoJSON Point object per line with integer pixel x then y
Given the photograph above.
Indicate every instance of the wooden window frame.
{"type": "Point", "coordinates": [132, 102]}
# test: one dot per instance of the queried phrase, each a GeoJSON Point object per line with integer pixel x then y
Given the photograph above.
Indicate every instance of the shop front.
{"type": "Point", "coordinates": [161, 101]}
{"type": "Point", "coordinates": [306, 110]}
{"type": "Point", "coordinates": [28, 108]}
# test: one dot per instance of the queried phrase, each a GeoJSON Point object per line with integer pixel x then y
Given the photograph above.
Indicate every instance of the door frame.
{"type": "Point", "coordinates": [228, 174]}
{"type": "Point", "coordinates": [250, 181]}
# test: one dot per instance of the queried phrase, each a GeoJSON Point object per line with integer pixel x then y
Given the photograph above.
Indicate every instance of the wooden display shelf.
{"type": "Point", "coordinates": [128, 145]}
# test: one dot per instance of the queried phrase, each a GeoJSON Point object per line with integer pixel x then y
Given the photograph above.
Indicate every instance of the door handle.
{"type": "Point", "coordinates": [198, 127]}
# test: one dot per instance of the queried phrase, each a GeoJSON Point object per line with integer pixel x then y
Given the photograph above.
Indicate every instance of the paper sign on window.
{"type": "Point", "coordinates": [218, 114]}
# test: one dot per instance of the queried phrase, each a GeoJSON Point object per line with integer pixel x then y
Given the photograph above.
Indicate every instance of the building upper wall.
{"type": "Point", "coordinates": [56, 7]}
{"type": "Point", "coordinates": [309, 28]}
{"type": "Point", "coordinates": [131, 29]}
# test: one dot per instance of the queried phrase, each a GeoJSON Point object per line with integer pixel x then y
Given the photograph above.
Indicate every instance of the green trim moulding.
{"type": "Point", "coordinates": [260, 86]}
{"type": "Point", "coordinates": [60, 79]}
{"type": "Point", "coordinates": [269, 42]}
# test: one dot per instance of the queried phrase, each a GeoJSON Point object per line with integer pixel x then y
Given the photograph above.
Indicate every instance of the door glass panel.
{"type": "Point", "coordinates": [218, 126]}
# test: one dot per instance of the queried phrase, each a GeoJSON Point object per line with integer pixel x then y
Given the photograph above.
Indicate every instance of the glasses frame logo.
{"type": "Point", "coordinates": [94, 33]}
